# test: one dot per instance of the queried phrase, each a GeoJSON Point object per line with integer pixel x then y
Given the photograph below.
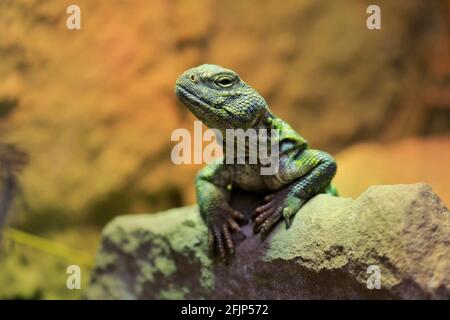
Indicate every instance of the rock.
{"type": "Point", "coordinates": [401, 229]}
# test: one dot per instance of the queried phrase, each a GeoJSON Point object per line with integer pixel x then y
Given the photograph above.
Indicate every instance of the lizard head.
{"type": "Point", "coordinates": [219, 98]}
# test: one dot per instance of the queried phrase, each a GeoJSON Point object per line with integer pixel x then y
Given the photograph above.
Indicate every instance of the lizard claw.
{"type": "Point", "coordinates": [288, 215]}
{"type": "Point", "coordinates": [220, 241]}
{"type": "Point", "coordinates": [278, 205]}
{"type": "Point", "coordinates": [266, 216]}
{"type": "Point", "coordinates": [287, 222]}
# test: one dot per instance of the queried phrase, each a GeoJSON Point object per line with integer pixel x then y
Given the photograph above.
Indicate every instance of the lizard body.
{"type": "Point", "coordinates": [221, 100]}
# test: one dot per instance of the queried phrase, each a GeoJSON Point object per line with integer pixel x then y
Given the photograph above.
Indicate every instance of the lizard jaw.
{"type": "Point", "coordinates": [190, 99]}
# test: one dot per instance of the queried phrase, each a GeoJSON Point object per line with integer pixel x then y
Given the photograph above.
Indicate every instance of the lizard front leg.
{"type": "Point", "coordinates": [306, 174]}
{"type": "Point", "coordinates": [213, 198]}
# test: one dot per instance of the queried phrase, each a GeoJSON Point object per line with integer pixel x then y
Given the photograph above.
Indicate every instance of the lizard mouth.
{"type": "Point", "coordinates": [189, 98]}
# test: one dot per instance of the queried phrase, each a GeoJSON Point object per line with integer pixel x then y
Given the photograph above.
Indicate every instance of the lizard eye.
{"type": "Point", "coordinates": [225, 81]}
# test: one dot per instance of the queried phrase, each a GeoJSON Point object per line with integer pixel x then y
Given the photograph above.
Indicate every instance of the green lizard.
{"type": "Point", "coordinates": [221, 100]}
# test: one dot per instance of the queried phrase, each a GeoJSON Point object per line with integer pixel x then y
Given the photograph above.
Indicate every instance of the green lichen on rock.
{"type": "Point", "coordinates": [158, 248]}
{"type": "Point", "coordinates": [403, 230]}
{"type": "Point", "coordinates": [165, 266]}
{"type": "Point", "coordinates": [173, 293]}
{"type": "Point", "coordinates": [105, 259]}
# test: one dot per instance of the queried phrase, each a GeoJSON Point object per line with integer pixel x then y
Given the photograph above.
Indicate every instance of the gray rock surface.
{"type": "Point", "coordinates": [402, 230]}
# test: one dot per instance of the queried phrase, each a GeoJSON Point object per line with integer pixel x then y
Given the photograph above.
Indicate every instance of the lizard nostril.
{"type": "Point", "coordinates": [193, 78]}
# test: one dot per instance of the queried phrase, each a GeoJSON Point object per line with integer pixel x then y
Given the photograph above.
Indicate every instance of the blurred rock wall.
{"type": "Point", "coordinates": [95, 108]}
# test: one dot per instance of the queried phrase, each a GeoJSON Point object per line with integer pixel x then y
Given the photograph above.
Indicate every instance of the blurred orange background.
{"type": "Point", "coordinates": [95, 107]}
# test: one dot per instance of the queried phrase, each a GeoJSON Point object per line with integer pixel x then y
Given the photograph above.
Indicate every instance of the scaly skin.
{"type": "Point", "coordinates": [221, 100]}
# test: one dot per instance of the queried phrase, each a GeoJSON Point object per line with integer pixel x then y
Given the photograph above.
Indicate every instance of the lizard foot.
{"type": "Point", "coordinates": [280, 204]}
{"type": "Point", "coordinates": [219, 233]}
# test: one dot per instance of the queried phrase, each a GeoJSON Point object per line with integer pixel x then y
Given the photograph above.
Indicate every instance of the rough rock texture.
{"type": "Point", "coordinates": [402, 229]}
{"type": "Point", "coordinates": [99, 101]}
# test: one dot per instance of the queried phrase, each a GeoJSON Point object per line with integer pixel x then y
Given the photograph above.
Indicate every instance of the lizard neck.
{"type": "Point", "coordinates": [264, 120]}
